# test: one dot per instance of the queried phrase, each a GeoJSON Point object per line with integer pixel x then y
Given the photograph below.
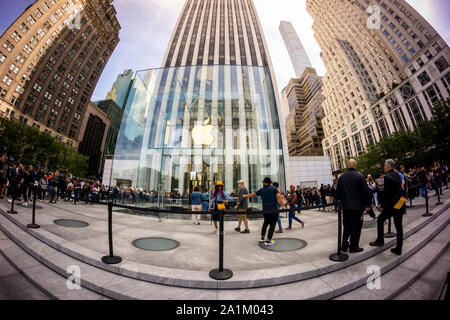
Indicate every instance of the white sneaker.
{"type": "Point", "coordinates": [216, 231]}
{"type": "Point", "coordinates": [271, 243]}
{"type": "Point", "coordinates": [9, 200]}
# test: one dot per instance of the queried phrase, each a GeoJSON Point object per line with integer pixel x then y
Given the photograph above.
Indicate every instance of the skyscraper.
{"type": "Point", "coordinates": [93, 136]}
{"type": "Point", "coordinates": [303, 124]}
{"type": "Point", "coordinates": [297, 52]}
{"type": "Point", "coordinates": [51, 58]}
{"type": "Point", "coordinates": [121, 88]}
{"type": "Point", "coordinates": [211, 113]}
{"type": "Point", "coordinates": [386, 69]}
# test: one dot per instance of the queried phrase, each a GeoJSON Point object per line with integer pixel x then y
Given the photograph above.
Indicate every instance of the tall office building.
{"type": "Point", "coordinates": [92, 137]}
{"type": "Point", "coordinates": [303, 124]}
{"type": "Point", "coordinates": [297, 52]}
{"type": "Point", "coordinates": [121, 88]}
{"type": "Point", "coordinates": [211, 113]}
{"type": "Point", "coordinates": [386, 69]}
{"type": "Point", "coordinates": [51, 58]}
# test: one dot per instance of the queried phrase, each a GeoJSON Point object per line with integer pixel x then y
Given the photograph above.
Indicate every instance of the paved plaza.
{"type": "Point", "coordinates": [254, 268]}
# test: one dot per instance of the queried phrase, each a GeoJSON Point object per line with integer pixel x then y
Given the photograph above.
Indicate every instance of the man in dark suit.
{"type": "Point", "coordinates": [353, 192]}
{"type": "Point", "coordinates": [392, 194]}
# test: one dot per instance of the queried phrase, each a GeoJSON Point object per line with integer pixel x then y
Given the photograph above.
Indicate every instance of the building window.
{"type": "Point", "coordinates": [8, 46]}
{"type": "Point", "coordinates": [347, 148]}
{"type": "Point", "coordinates": [424, 78]}
{"type": "Point", "coordinates": [441, 64]}
{"type": "Point", "coordinates": [432, 96]}
{"type": "Point", "coordinates": [31, 20]}
{"type": "Point", "coordinates": [383, 129]}
{"type": "Point", "coordinates": [364, 120]}
{"type": "Point", "coordinates": [369, 135]}
{"type": "Point", "coordinates": [357, 143]}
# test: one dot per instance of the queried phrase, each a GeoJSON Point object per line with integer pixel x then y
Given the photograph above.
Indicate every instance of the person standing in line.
{"type": "Point", "coordinates": [3, 175]}
{"type": "Point", "coordinates": [392, 194]}
{"type": "Point", "coordinates": [292, 200]}
{"type": "Point", "coordinates": [53, 182]}
{"type": "Point", "coordinates": [43, 186]}
{"type": "Point", "coordinates": [268, 194]}
{"type": "Point", "coordinates": [352, 190]}
{"type": "Point", "coordinates": [24, 177]}
{"type": "Point", "coordinates": [219, 195]}
{"type": "Point", "coordinates": [437, 174]}
{"type": "Point", "coordinates": [423, 181]}
{"type": "Point", "coordinates": [373, 194]}
{"type": "Point", "coordinates": [403, 185]}
{"type": "Point", "coordinates": [205, 200]}
{"type": "Point", "coordinates": [76, 191]}
{"type": "Point", "coordinates": [242, 205]}
{"type": "Point", "coordinates": [373, 188]}
{"type": "Point", "coordinates": [334, 196]}
{"type": "Point", "coordinates": [13, 181]}
{"type": "Point", "coordinates": [328, 197]}
{"type": "Point", "coordinates": [323, 195]}
{"type": "Point", "coordinates": [196, 205]}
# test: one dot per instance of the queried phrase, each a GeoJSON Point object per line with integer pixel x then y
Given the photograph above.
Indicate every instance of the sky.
{"type": "Point", "coordinates": [147, 26]}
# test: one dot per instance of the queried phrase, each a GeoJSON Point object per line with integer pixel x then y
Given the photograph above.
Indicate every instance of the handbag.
{"type": "Point", "coordinates": [281, 200]}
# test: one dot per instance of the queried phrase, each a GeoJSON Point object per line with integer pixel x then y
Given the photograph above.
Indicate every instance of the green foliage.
{"type": "Point", "coordinates": [30, 146]}
{"type": "Point", "coordinates": [428, 143]}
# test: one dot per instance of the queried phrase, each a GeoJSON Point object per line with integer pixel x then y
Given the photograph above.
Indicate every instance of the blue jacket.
{"type": "Point", "coordinates": [196, 198]}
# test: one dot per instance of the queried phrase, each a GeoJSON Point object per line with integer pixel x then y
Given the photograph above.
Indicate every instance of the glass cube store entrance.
{"type": "Point", "coordinates": [188, 127]}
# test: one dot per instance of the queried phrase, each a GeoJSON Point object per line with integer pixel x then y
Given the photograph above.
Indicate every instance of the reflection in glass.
{"type": "Point", "coordinates": [192, 126]}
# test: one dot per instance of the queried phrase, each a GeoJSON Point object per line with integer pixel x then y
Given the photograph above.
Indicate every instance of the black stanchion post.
{"type": "Point", "coordinates": [221, 273]}
{"type": "Point", "coordinates": [111, 259]}
{"type": "Point", "coordinates": [427, 213]}
{"type": "Point", "coordinates": [339, 256]}
{"type": "Point", "coordinates": [33, 224]}
{"type": "Point", "coordinates": [390, 234]}
{"type": "Point", "coordinates": [13, 192]}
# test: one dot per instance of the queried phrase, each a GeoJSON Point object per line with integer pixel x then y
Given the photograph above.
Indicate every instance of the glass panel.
{"type": "Point", "coordinates": [193, 126]}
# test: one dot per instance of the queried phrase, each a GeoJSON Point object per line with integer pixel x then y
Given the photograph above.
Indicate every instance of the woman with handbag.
{"type": "Point", "coordinates": [218, 197]}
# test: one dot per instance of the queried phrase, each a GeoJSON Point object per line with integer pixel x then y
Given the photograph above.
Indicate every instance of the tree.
{"type": "Point", "coordinates": [428, 143]}
{"type": "Point", "coordinates": [30, 146]}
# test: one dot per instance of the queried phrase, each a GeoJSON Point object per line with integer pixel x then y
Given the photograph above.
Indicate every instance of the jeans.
{"type": "Point", "coordinates": [280, 227]}
{"type": "Point", "coordinates": [77, 195]}
{"type": "Point", "coordinates": [292, 211]}
{"type": "Point", "coordinates": [422, 190]}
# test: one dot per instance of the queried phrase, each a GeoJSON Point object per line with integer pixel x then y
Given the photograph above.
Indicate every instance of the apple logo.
{"type": "Point", "coordinates": [202, 134]}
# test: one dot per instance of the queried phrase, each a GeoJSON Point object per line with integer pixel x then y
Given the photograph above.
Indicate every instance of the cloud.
{"type": "Point", "coordinates": [148, 24]}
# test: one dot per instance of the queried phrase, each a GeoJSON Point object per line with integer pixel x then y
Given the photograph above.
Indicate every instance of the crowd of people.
{"type": "Point", "coordinates": [20, 182]}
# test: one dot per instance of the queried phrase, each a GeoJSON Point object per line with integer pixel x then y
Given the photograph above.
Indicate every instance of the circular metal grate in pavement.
{"type": "Point", "coordinates": [30, 206]}
{"type": "Point", "coordinates": [71, 223]}
{"type": "Point", "coordinates": [155, 244]}
{"type": "Point", "coordinates": [285, 244]}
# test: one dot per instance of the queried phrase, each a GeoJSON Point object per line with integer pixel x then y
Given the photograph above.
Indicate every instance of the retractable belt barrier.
{"type": "Point", "coordinates": [219, 273]}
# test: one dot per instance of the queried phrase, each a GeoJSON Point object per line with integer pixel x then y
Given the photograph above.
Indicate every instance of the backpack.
{"type": "Point", "coordinates": [281, 199]}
